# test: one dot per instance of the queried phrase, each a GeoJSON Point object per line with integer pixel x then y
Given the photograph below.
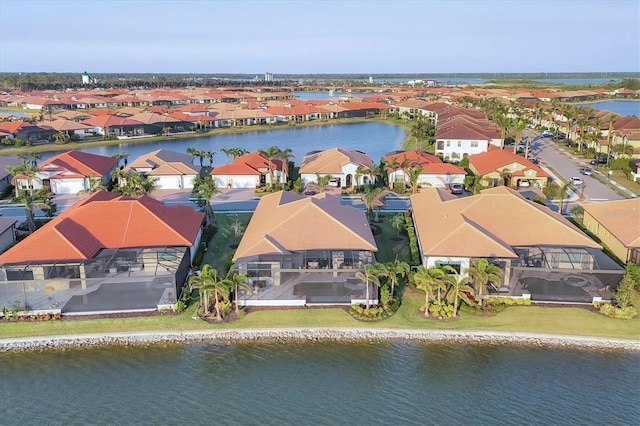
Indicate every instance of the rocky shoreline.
{"type": "Point", "coordinates": [316, 334]}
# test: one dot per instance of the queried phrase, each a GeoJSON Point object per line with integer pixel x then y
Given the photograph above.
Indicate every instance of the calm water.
{"type": "Point", "coordinates": [619, 107]}
{"type": "Point", "coordinates": [375, 139]}
{"type": "Point", "coordinates": [393, 383]}
{"type": "Point", "coordinates": [597, 81]}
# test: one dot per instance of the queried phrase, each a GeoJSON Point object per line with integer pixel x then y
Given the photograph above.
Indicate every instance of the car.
{"type": "Point", "coordinates": [576, 181]}
{"type": "Point", "coordinates": [524, 183]}
{"type": "Point", "coordinates": [547, 134]}
{"type": "Point", "coordinates": [599, 160]}
{"type": "Point", "coordinates": [587, 171]}
{"type": "Point", "coordinates": [456, 188]}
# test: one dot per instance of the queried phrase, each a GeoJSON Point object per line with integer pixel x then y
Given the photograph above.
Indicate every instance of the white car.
{"type": "Point", "coordinates": [576, 181]}
{"type": "Point", "coordinates": [524, 183]}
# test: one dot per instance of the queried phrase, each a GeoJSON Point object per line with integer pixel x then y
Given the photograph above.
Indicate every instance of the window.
{"type": "Point", "coordinates": [448, 144]}
{"type": "Point", "coordinates": [459, 144]}
{"type": "Point", "coordinates": [454, 265]}
{"type": "Point", "coordinates": [570, 257]}
{"type": "Point", "coordinates": [474, 144]}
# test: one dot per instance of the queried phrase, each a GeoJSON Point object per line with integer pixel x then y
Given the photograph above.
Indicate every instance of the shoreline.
{"type": "Point", "coordinates": [316, 334]}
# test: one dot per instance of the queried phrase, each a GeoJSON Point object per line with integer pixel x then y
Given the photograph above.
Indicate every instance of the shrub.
{"type": "Point", "coordinates": [413, 242]}
{"type": "Point", "coordinates": [385, 295]}
{"type": "Point", "coordinates": [627, 312]}
{"type": "Point", "coordinates": [624, 291]}
{"type": "Point", "coordinates": [440, 310]}
{"type": "Point", "coordinates": [540, 199]}
{"type": "Point", "coordinates": [633, 270]}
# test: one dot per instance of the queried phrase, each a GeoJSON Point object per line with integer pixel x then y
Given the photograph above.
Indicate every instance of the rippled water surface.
{"type": "Point", "coordinates": [320, 383]}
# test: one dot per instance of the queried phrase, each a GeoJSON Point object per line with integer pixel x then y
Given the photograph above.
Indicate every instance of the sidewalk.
{"type": "Point", "coordinates": [612, 182]}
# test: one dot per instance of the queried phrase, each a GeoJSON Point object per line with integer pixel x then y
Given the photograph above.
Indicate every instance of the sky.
{"type": "Point", "coordinates": [328, 36]}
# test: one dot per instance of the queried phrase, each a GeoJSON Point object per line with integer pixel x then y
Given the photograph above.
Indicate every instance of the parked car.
{"type": "Point", "coordinates": [587, 171]}
{"type": "Point", "coordinates": [524, 183]}
{"type": "Point", "coordinates": [599, 160]}
{"type": "Point", "coordinates": [547, 134]}
{"type": "Point", "coordinates": [576, 181]}
{"type": "Point", "coordinates": [456, 188]}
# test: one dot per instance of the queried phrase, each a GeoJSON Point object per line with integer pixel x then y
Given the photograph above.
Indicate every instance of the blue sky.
{"type": "Point", "coordinates": [301, 36]}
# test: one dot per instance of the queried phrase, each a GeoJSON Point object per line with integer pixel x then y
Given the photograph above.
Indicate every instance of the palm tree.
{"type": "Point", "coordinates": [564, 189]}
{"type": "Point", "coordinates": [374, 198]}
{"type": "Point", "coordinates": [285, 156]}
{"type": "Point", "coordinates": [239, 281]}
{"type": "Point", "coordinates": [430, 281]}
{"type": "Point", "coordinates": [482, 272]}
{"type": "Point", "coordinates": [518, 127]}
{"type": "Point", "coordinates": [270, 154]}
{"type": "Point", "coordinates": [391, 270]}
{"type": "Point", "coordinates": [612, 119]}
{"type": "Point", "coordinates": [208, 281]}
{"type": "Point", "coordinates": [94, 184]}
{"type": "Point", "coordinates": [458, 288]}
{"type": "Point", "coordinates": [503, 123]}
{"type": "Point", "coordinates": [370, 274]}
{"type": "Point", "coordinates": [204, 188]}
{"type": "Point", "coordinates": [322, 181]}
{"type": "Point", "coordinates": [210, 155]}
{"type": "Point", "coordinates": [14, 171]}
{"type": "Point", "coordinates": [228, 152]}
{"type": "Point", "coordinates": [397, 222]}
{"type": "Point", "coordinates": [413, 174]}
{"type": "Point", "coordinates": [366, 171]}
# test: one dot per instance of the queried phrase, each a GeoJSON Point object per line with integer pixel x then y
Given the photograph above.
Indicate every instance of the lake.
{"type": "Point", "coordinates": [618, 107]}
{"type": "Point", "coordinates": [375, 139]}
{"type": "Point", "coordinates": [324, 383]}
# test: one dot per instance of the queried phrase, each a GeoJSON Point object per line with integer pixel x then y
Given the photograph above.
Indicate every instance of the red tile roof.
{"type": "Point", "coordinates": [81, 163]}
{"type": "Point", "coordinates": [495, 160]}
{"type": "Point", "coordinates": [105, 220]}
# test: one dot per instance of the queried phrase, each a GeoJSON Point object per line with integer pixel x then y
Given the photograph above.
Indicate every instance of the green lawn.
{"type": "Point", "coordinates": [533, 319]}
{"type": "Point", "coordinates": [390, 248]}
{"type": "Point", "coordinates": [221, 244]}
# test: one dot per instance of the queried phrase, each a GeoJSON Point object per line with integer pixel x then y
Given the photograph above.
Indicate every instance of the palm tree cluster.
{"type": "Point", "coordinates": [445, 283]}
{"type": "Point", "coordinates": [132, 183]}
{"type": "Point", "coordinates": [201, 154]}
{"type": "Point", "coordinates": [284, 155]}
{"type": "Point", "coordinates": [31, 198]}
{"type": "Point", "coordinates": [215, 289]}
{"type": "Point", "coordinates": [390, 274]}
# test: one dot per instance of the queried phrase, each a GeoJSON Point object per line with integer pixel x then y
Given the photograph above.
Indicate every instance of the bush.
{"type": "Point", "coordinates": [540, 199]}
{"type": "Point", "coordinates": [633, 270]}
{"type": "Point", "coordinates": [374, 313]}
{"type": "Point", "coordinates": [624, 291]}
{"type": "Point", "coordinates": [440, 310]}
{"type": "Point", "coordinates": [413, 241]}
{"type": "Point", "coordinates": [627, 312]}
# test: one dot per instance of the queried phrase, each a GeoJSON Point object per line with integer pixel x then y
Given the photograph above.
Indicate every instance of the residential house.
{"type": "Point", "coordinates": [617, 225]}
{"type": "Point", "coordinates": [173, 170]}
{"type": "Point", "coordinates": [433, 172]}
{"type": "Point", "coordinates": [250, 170]}
{"type": "Point", "coordinates": [106, 253]}
{"type": "Point", "coordinates": [71, 128]}
{"type": "Point", "coordinates": [301, 250]}
{"type": "Point", "coordinates": [7, 232]}
{"type": "Point", "coordinates": [6, 178]}
{"type": "Point", "coordinates": [503, 167]}
{"type": "Point", "coordinates": [112, 125]}
{"type": "Point", "coordinates": [69, 173]}
{"type": "Point", "coordinates": [341, 164]}
{"type": "Point", "coordinates": [455, 141]}
{"type": "Point", "coordinates": [544, 257]}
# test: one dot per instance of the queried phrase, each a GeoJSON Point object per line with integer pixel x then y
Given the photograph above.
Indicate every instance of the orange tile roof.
{"type": "Point", "coordinates": [81, 163]}
{"type": "Point", "coordinates": [105, 220]}
{"type": "Point", "coordinates": [621, 218]}
{"type": "Point", "coordinates": [332, 160]}
{"type": "Point", "coordinates": [496, 160]}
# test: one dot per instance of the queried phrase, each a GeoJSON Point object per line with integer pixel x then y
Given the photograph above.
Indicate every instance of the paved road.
{"type": "Point", "coordinates": [566, 165]}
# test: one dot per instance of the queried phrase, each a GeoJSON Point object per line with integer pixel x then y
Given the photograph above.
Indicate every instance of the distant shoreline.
{"type": "Point", "coordinates": [316, 334]}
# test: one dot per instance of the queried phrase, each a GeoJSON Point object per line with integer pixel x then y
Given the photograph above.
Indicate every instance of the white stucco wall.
{"type": "Point", "coordinates": [67, 186]}
{"type": "Point", "coordinates": [236, 181]}
{"type": "Point", "coordinates": [460, 147]}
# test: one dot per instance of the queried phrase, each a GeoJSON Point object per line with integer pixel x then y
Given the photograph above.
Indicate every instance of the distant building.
{"type": "Point", "coordinates": [268, 76]}
{"type": "Point", "coordinates": [370, 79]}
{"type": "Point", "coordinates": [87, 79]}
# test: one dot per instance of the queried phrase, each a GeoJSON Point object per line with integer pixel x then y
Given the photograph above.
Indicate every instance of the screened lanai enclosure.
{"type": "Point", "coordinates": [115, 280]}
{"type": "Point", "coordinates": [306, 278]}
{"type": "Point", "coordinates": [560, 274]}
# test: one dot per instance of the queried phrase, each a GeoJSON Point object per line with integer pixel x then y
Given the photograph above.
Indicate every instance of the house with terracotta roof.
{"type": "Point", "coordinates": [434, 171]}
{"type": "Point", "coordinates": [110, 124]}
{"type": "Point", "coordinates": [617, 225]}
{"type": "Point", "coordinates": [301, 250]}
{"type": "Point", "coordinates": [544, 257]}
{"type": "Point", "coordinates": [71, 128]}
{"type": "Point", "coordinates": [456, 140]}
{"type": "Point", "coordinates": [107, 253]}
{"type": "Point", "coordinates": [503, 167]}
{"type": "Point", "coordinates": [69, 173]}
{"type": "Point", "coordinates": [173, 170]}
{"type": "Point", "coordinates": [340, 164]}
{"type": "Point", "coordinates": [248, 171]}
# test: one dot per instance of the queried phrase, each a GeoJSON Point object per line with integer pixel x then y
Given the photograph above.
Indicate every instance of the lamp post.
{"type": "Point", "coordinates": [610, 173]}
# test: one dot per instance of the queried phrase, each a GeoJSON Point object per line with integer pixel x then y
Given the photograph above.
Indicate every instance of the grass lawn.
{"type": "Point", "coordinates": [533, 319]}
{"type": "Point", "coordinates": [390, 248]}
{"type": "Point", "coordinates": [221, 245]}
{"type": "Point", "coordinates": [620, 177]}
